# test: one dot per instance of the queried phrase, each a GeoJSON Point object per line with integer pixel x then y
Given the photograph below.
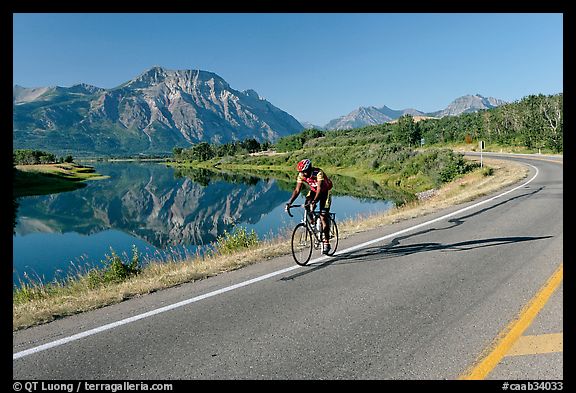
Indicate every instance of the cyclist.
{"type": "Point", "coordinates": [320, 191]}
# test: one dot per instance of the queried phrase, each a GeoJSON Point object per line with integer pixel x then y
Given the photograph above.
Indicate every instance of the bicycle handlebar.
{"type": "Point", "coordinates": [288, 207]}
{"type": "Point", "coordinates": [291, 206]}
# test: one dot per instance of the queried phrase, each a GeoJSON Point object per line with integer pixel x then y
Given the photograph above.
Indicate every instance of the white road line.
{"type": "Point", "coordinates": [157, 311]}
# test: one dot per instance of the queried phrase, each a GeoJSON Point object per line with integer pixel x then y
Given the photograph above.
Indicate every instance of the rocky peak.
{"type": "Point", "coordinates": [158, 79]}
{"type": "Point", "coordinates": [252, 93]}
{"type": "Point", "coordinates": [469, 103]}
{"type": "Point", "coordinates": [153, 76]}
{"type": "Point", "coordinates": [84, 88]}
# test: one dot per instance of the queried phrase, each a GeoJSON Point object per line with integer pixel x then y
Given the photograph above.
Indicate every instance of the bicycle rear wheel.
{"type": "Point", "coordinates": [302, 244]}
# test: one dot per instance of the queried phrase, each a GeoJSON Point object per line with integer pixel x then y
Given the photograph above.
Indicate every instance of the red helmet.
{"type": "Point", "coordinates": [304, 165]}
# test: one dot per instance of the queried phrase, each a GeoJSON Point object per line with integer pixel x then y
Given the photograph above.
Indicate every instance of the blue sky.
{"type": "Point", "coordinates": [314, 66]}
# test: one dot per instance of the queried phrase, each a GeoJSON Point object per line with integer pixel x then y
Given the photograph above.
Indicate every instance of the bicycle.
{"type": "Point", "coordinates": [306, 236]}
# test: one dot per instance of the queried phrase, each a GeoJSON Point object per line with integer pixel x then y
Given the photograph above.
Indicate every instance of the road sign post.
{"type": "Point", "coordinates": [481, 148]}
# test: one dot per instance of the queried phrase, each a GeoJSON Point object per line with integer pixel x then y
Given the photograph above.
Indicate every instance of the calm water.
{"type": "Point", "coordinates": [163, 212]}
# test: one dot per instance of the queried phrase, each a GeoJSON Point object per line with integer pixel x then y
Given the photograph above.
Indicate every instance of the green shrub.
{"type": "Point", "coordinates": [488, 171]}
{"type": "Point", "coordinates": [239, 239]}
{"type": "Point", "coordinates": [115, 270]}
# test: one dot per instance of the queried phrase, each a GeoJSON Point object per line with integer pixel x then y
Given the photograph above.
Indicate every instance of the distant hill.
{"type": "Point", "coordinates": [152, 113]}
{"type": "Point", "coordinates": [307, 125]}
{"type": "Point", "coordinates": [366, 116]}
{"type": "Point", "coordinates": [468, 104]}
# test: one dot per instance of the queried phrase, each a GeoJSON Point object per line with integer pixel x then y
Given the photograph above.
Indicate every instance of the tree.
{"type": "Point", "coordinates": [30, 157]}
{"type": "Point", "coordinates": [553, 113]}
{"type": "Point", "coordinates": [406, 132]}
{"type": "Point", "coordinates": [202, 151]}
{"type": "Point", "coordinates": [176, 152]}
{"type": "Point", "coordinates": [251, 145]}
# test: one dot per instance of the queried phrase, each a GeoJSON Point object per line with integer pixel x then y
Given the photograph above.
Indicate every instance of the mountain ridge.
{"type": "Point", "coordinates": [153, 112]}
{"type": "Point", "coordinates": [366, 116]}
{"type": "Point", "coordinates": [160, 109]}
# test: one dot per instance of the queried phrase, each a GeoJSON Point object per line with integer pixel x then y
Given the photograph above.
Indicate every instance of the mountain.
{"type": "Point", "coordinates": [152, 113]}
{"type": "Point", "coordinates": [468, 104]}
{"type": "Point", "coordinates": [307, 125]}
{"type": "Point", "coordinates": [366, 116]}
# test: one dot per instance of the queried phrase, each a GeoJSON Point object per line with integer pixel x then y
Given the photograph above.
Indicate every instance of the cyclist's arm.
{"type": "Point", "coordinates": [295, 193]}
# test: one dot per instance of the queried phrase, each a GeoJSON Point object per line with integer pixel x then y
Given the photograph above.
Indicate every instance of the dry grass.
{"type": "Point", "coordinates": [156, 276]}
{"type": "Point", "coordinates": [464, 189]}
{"type": "Point", "coordinates": [416, 119]}
{"type": "Point", "coordinates": [64, 170]}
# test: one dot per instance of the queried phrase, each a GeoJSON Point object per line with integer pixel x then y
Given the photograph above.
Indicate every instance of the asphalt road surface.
{"type": "Point", "coordinates": [421, 299]}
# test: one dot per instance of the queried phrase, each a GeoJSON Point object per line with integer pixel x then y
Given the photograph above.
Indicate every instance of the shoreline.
{"type": "Point", "coordinates": [157, 276]}
{"type": "Point", "coordinates": [42, 179]}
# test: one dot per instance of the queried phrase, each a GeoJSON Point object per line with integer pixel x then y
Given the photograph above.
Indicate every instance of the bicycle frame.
{"type": "Point", "coordinates": [304, 243]}
{"type": "Point", "coordinates": [306, 222]}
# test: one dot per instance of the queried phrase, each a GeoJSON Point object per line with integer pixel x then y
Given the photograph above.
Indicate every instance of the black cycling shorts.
{"type": "Point", "coordinates": [324, 201]}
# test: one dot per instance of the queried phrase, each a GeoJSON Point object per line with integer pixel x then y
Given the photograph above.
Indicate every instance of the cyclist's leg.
{"type": "Point", "coordinates": [309, 198]}
{"type": "Point", "coordinates": [325, 202]}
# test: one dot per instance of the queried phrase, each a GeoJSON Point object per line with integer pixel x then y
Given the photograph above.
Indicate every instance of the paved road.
{"type": "Point", "coordinates": [421, 299]}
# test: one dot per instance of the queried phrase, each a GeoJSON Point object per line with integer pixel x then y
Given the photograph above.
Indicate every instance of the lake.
{"type": "Point", "coordinates": [164, 212]}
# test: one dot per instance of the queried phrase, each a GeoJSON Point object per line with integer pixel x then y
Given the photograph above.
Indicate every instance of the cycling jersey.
{"type": "Point", "coordinates": [317, 177]}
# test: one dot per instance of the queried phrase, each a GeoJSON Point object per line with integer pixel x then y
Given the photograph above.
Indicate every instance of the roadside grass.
{"type": "Point", "coordinates": [37, 303]}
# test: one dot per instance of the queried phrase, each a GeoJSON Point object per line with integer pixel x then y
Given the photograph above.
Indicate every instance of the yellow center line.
{"type": "Point", "coordinates": [514, 330]}
{"type": "Point", "coordinates": [548, 160]}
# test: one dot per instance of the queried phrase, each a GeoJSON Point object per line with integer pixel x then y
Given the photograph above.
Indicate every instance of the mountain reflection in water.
{"type": "Point", "coordinates": [156, 208]}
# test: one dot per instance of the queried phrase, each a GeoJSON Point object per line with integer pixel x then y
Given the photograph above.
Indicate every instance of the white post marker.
{"type": "Point", "coordinates": [481, 148]}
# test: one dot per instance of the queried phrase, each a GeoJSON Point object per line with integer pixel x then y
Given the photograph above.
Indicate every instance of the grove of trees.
{"type": "Point", "coordinates": [535, 122]}
{"type": "Point", "coordinates": [31, 157]}
{"type": "Point", "coordinates": [204, 151]}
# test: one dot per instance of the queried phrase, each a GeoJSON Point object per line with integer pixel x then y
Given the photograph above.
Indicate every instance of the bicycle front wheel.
{"type": "Point", "coordinates": [333, 237]}
{"type": "Point", "coordinates": [302, 244]}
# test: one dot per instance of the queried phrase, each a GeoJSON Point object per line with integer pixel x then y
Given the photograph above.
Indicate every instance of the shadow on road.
{"type": "Point", "coordinates": [394, 249]}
